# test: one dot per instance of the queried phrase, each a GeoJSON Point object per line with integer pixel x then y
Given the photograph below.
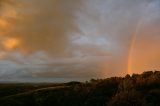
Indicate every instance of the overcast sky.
{"type": "Point", "coordinates": [64, 40]}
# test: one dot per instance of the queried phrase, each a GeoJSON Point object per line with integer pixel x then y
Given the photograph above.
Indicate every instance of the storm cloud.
{"type": "Point", "coordinates": [77, 39]}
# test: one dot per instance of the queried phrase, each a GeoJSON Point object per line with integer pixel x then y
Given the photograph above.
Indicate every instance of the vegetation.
{"type": "Point", "coordinates": [135, 90]}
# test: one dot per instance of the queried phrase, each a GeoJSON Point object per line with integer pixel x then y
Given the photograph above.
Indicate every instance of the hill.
{"type": "Point", "coordinates": [136, 90]}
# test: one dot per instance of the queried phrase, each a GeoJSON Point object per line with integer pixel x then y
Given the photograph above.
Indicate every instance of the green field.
{"type": "Point", "coordinates": [135, 90]}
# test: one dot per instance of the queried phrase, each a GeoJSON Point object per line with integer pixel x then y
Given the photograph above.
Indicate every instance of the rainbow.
{"type": "Point", "coordinates": [134, 38]}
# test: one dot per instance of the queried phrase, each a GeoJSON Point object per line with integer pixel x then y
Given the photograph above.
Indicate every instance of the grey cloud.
{"type": "Point", "coordinates": [67, 68]}
{"type": "Point", "coordinates": [71, 39]}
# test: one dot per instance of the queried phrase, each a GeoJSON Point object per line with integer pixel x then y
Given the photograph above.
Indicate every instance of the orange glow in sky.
{"type": "Point", "coordinates": [10, 43]}
{"type": "Point", "coordinates": [3, 23]}
{"type": "Point", "coordinates": [80, 38]}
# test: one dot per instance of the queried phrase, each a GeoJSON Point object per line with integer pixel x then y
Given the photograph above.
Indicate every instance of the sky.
{"type": "Point", "coordinates": [65, 40]}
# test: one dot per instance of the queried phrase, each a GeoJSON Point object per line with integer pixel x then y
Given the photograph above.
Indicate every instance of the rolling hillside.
{"type": "Point", "coordinates": [135, 90]}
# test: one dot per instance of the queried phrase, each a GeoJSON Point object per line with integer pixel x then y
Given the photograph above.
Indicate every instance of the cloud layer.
{"type": "Point", "coordinates": [57, 40]}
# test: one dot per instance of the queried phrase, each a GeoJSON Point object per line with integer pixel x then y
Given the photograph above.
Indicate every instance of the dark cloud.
{"type": "Point", "coordinates": [71, 39]}
{"type": "Point", "coordinates": [42, 25]}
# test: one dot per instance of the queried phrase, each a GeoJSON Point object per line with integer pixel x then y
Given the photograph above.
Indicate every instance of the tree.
{"type": "Point", "coordinates": [127, 98]}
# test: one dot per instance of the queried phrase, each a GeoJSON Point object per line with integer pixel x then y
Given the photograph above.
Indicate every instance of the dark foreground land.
{"type": "Point", "coordinates": [135, 90]}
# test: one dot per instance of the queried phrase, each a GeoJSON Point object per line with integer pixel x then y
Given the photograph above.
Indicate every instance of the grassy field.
{"type": "Point", "coordinates": [8, 89]}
